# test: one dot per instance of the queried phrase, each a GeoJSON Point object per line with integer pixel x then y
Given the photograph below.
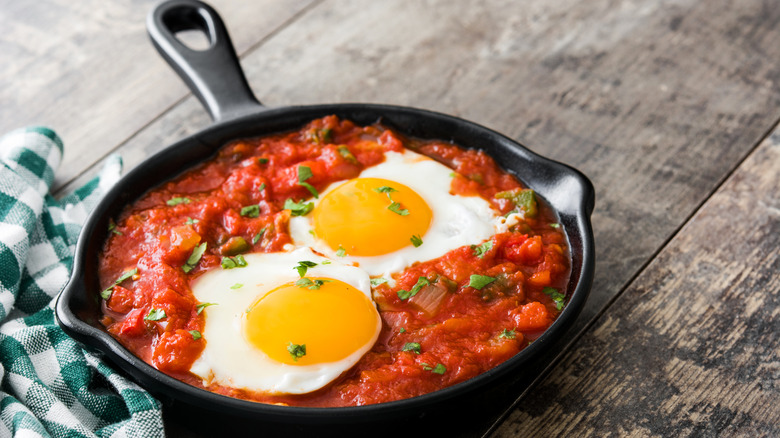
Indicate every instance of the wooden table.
{"type": "Point", "coordinates": [670, 107]}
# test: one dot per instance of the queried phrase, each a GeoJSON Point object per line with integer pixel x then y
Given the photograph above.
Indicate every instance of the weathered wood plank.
{"type": "Point", "coordinates": [87, 69]}
{"type": "Point", "coordinates": [692, 348]}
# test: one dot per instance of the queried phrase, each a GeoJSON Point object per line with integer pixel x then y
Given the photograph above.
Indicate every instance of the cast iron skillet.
{"type": "Point", "coordinates": [215, 77]}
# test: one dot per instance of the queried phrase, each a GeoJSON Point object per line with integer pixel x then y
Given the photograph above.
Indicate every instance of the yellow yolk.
{"type": "Point", "coordinates": [355, 216]}
{"type": "Point", "coordinates": [332, 322]}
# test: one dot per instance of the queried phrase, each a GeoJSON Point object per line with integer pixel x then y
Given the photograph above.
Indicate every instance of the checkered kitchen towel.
{"type": "Point", "coordinates": [49, 386]}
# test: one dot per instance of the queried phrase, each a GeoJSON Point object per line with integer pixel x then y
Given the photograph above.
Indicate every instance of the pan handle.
{"type": "Point", "coordinates": [214, 75]}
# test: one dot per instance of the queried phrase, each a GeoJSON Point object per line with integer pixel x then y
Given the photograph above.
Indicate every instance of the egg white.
{"type": "Point", "coordinates": [229, 359]}
{"type": "Point", "coordinates": [457, 220]}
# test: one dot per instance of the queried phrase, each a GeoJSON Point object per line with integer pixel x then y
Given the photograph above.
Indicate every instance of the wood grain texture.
{"type": "Point", "coordinates": [692, 348]}
{"type": "Point", "coordinates": [87, 69]}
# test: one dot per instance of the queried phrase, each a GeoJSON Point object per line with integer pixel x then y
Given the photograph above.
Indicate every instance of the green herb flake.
{"type": "Point", "coordinates": [557, 297]}
{"type": "Point", "coordinates": [395, 207]}
{"type": "Point", "coordinates": [480, 281]}
{"type": "Point", "coordinates": [261, 188]}
{"type": "Point", "coordinates": [191, 221]}
{"type": "Point", "coordinates": [250, 211]}
{"type": "Point", "coordinates": [296, 350]}
{"type": "Point", "coordinates": [482, 249]}
{"type": "Point", "coordinates": [311, 284]}
{"type": "Point", "coordinates": [341, 252]}
{"type": "Point", "coordinates": [194, 257]}
{"type": "Point", "coordinates": [385, 189]}
{"type": "Point", "coordinates": [178, 200]}
{"type": "Point", "coordinates": [406, 294]}
{"type": "Point", "coordinates": [303, 266]}
{"type": "Point", "coordinates": [344, 152]}
{"type": "Point", "coordinates": [304, 173]}
{"type": "Point", "coordinates": [258, 236]}
{"type": "Point", "coordinates": [233, 262]}
{"type": "Point", "coordinates": [195, 334]}
{"type": "Point", "coordinates": [401, 330]}
{"type": "Point", "coordinates": [298, 208]}
{"type": "Point", "coordinates": [507, 334]}
{"type": "Point", "coordinates": [556, 225]}
{"type": "Point", "coordinates": [414, 347]}
{"type": "Point", "coordinates": [112, 227]}
{"type": "Point", "coordinates": [262, 160]}
{"type": "Point", "coordinates": [199, 308]}
{"type": "Point", "coordinates": [155, 315]}
{"type": "Point", "coordinates": [106, 293]}
{"type": "Point", "coordinates": [237, 286]}
{"type": "Point", "coordinates": [439, 369]}
{"type": "Point", "coordinates": [416, 240]}
{"type": "Point", "coordinates": [377, 281]}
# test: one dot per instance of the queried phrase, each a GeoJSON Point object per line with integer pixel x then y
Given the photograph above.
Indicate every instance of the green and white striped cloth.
{"type": "Point", "coordinates": [49, 385]}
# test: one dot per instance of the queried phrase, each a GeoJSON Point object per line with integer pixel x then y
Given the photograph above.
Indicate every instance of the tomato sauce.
{"type": "Point", "coordinates": [458, 328]}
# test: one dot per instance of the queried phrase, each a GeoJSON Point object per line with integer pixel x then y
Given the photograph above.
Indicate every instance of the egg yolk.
{"type": "Point", "coordinates": [370, 217]}
{"type": "Point", "coordinates": [324, 321]}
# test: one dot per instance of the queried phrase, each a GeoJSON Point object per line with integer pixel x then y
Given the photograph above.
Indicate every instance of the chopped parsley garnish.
{"type": "Point", "coordinates": [233, 262]}
{"type": "Point", "coordinates": [195, 334]}
{"type": "Point", "coordinates": [311, 284]}
{"type": "Point", "coordinates": [416, 240]}
{"type": "Point", "coordinates": [304, 173]}
{"type": "Point", "coordinates": [341, 252]}
{"type": "Point", "coordinates": [262, 160]}
{"type": "Point", "coordinates": [401, 330]}
{"type": "Point", "coordinates": [325, 262]}
{"type": "Point", "coordinates": [178, 200]}
{"type": "Point", "coordinates": [237, 286]}
{"type": "Point", "coordinates": [298, 208]}
{"type": "Point", "coordinates": [194, 258]}
{"type": "Point", "coordinates": [199, 308]}
{"type": "Point", "coordinates": [507, 334]}
{"type": "Point", "coordinates": [191, 221]}
{"type": "Point", "coordinates": [385, 189]}
{"type": "Point", "coordinates": [406, 294]}
{"type": "Point", "coordinates": [395, 207]}
{"type": "Point", "coordinates": [250, 211]}
{"type": "Point", "coordinates": [413, 347]}
{"type": "Point", "coordinates": [303, 266]}
{"type": "Point", "coordinates": [378, 281]}
{"type": "Point", "coordinates": [261, 188]}
{"type": "Point", "coordinates": [296, 350]}
{"type": "Point", "coordinates": [344, 152]}
{"type": "Point", "coordinates": [106, 293]}
{"type": "Point", "coordinates": [112, 227]}
{"type": "Point", "coordinates": [482, 249]}
{"type": "Point", "coordinates": [258, 236]}
{"type": "Point", "coordinates": [555, 225]}
{"type": "Point", "coordinates": [480, 281]}
{"type": "Point", "coordinates": [439, 369]}
{"type": "Point", "coordinates": [155, 314]}
{"type": "Point", "coordinates": [557, 297]}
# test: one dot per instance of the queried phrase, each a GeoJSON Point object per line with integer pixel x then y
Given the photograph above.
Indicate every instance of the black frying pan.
{"type": "Point", "coordinates": [215, 77]}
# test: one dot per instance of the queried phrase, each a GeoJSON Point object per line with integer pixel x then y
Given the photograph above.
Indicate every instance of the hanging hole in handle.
{"type": "Point", "coordinates": [193, 28]}
{"type": "Point", "coordinates": [194, 40]}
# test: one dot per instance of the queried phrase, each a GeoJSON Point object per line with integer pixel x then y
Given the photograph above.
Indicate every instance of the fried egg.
{"type": "Point", "coordinates": [269, 329]}
{"type": "Point", "coordinates": [393, 214]}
